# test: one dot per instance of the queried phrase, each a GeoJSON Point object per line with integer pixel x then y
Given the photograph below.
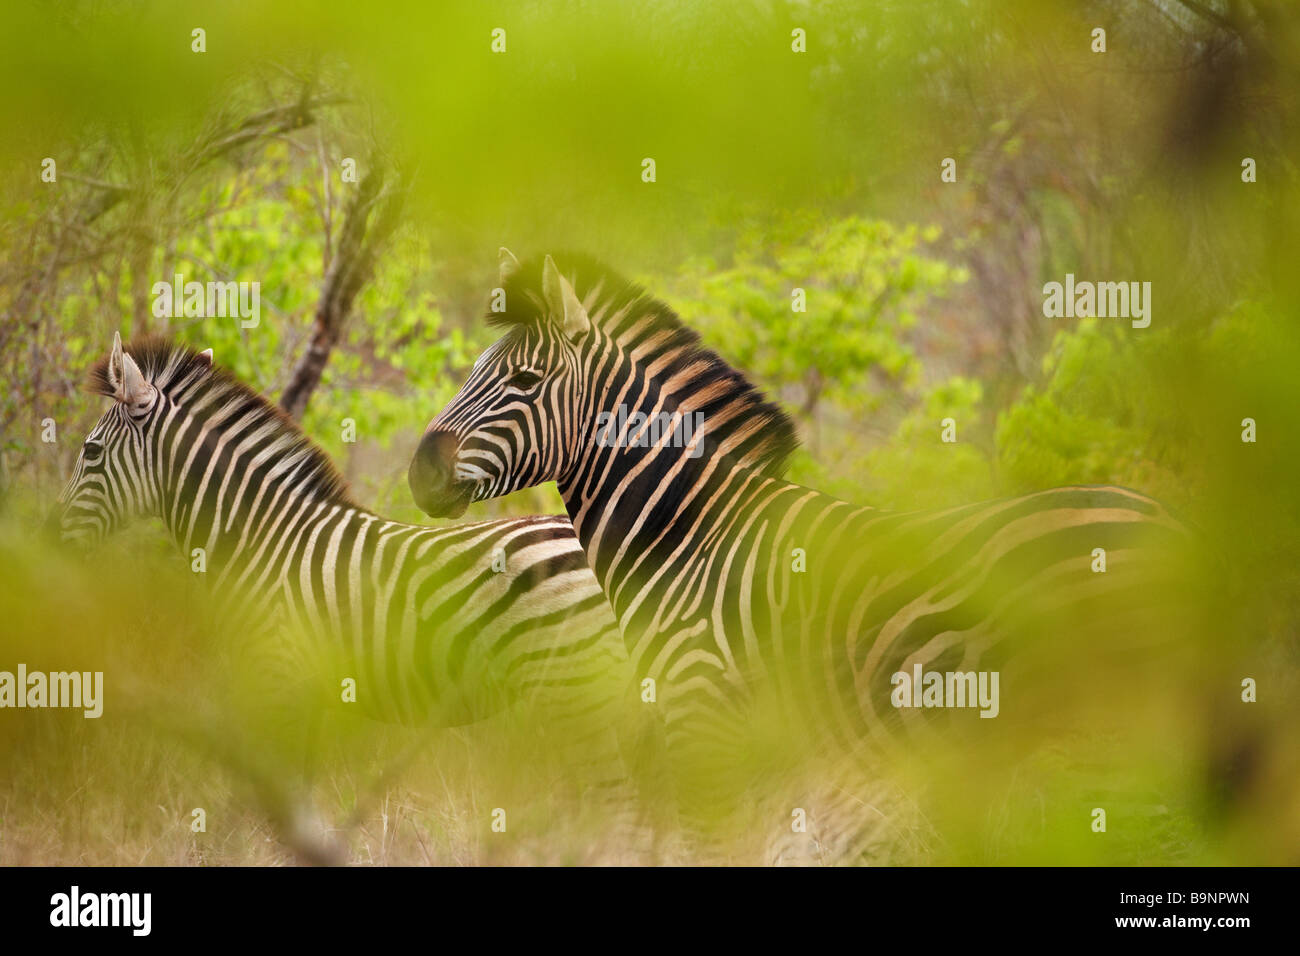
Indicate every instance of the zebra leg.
{"type": "Point", "coordinates": [711, 780]}
{"type": "Point", "coordinates": [589, 732]}
{"type": "Point", "coordinates": [755, 788]}
{"type": "Point", "coordinates": [572, 700]}
{"type": "Point", "coordinates": [846, 814]}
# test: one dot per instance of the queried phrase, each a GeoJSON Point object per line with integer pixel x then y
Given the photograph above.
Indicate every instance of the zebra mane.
{"type": "Point", "coordinates": [177, 370]}
{"type": "Point", "coordinates": [629, 314]}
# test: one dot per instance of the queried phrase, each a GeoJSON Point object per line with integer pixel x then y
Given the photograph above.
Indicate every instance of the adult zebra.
{"type": "Point", "coordinates": [731, 584]}
{"type": "Point", "coordinates": [437, 626]}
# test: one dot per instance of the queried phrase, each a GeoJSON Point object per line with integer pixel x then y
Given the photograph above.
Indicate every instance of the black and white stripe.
{"type": "Point", "coordinates": [695, 546]}
{"type": "Point", "coordinates": [432, 632]}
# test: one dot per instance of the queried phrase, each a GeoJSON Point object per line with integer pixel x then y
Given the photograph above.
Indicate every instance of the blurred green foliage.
{"type": "Point", "coordinates": [775, 171]}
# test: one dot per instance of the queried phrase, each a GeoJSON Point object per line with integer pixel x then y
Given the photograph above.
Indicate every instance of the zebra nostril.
{"type": "Point", "coordinates": [436, 457]}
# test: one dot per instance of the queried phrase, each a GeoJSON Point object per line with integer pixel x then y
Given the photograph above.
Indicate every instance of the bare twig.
{"type": "Point", "coordinates": [360, 239]}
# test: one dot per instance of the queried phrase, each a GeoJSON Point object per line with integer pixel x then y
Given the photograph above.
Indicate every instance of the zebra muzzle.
{"type": "Point", "coordinates": [431, 477]}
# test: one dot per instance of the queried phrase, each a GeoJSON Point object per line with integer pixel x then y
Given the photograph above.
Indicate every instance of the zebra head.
{"type": "Point", "coordinates": [526, 387]}
{"type": "Point", "coordinates": [112, 481]}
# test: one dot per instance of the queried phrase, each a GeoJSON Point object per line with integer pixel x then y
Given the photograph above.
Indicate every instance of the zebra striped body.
{"type": "Point", "coordinates": [729, 583]}
{"type": "Point", "coordinates": [437, 626]}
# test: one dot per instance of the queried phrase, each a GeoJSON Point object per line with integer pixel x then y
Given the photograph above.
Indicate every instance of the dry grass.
{"type": "Point", "coordinates": [1182, 783]}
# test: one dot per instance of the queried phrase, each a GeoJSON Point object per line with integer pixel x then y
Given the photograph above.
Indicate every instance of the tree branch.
{"type": "Point", "coordinates": [359, 242]}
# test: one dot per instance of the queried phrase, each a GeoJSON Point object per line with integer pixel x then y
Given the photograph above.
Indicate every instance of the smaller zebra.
{"type": "Point", "coordinates": [438, 626]}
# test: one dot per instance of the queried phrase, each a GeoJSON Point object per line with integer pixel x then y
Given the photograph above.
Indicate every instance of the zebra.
{"type": "Point", "coordinates": [438, 627]}
{"type": "Point", "coordinates": [730, 583]}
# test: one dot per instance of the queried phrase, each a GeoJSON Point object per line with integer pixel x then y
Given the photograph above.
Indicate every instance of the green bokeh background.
{"type": "Point", "coordinates": [775, 170]}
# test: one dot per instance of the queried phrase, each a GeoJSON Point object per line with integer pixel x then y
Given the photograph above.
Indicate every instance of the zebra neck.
{"type": "Point", "coordinates": [229, 511]}
{"type": "Point", "coordinates": [633, 508]}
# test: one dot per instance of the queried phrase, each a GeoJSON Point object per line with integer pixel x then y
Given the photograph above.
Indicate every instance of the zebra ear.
{"type": "Point", "coordinates": [507, 264]}
{"type": "Point", "coordinates": [129, 385]}
{"type": "Point", "coordinates": [563, 302]}
{"type": "Point", "coordinates": [206, 357]}
{"type": "Point", "coordinates": [115, 362]}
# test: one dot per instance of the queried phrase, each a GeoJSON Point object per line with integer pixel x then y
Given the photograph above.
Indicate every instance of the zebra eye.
{"type": "Point", "coordinates": [523, 380]}
{"type": "Point", "coordinates": [93, 450]}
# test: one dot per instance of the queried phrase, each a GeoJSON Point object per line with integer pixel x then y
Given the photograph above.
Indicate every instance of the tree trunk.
{"type": "Point", "coordinates": [350, 269]}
